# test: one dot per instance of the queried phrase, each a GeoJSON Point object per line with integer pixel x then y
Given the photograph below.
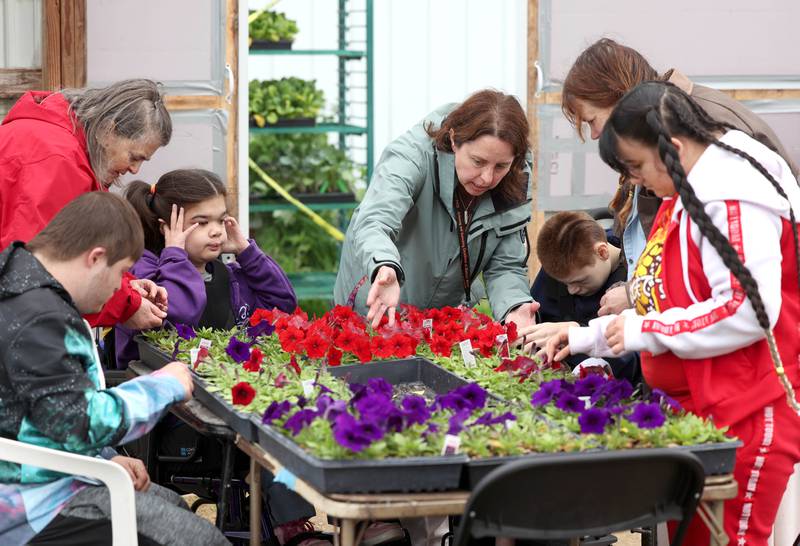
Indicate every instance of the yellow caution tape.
{"type": "Point", "coordinates": [319, 220]}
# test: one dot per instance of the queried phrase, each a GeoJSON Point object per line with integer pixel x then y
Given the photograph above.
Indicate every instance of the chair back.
{"type": "Point", "coordinates": [568, 495]}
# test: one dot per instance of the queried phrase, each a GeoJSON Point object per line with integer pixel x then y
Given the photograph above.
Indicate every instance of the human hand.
{"type": "Point", "coordinates": [383, 296]}
{"type": "Point", "coordinates": [236, 241]}
{"type": "Point", "coordinates": [147, 316]}
{"type": "Point", "coordinates": [174, 234]}
{"type": "Point", "coordinates": [151, 291]}
{"type": "Point", "coordinates": [179, 371]}
{"type": "Point", "coordinates": [137, 470]}
{"type": "Point", "coordinates": [536, 336]}
{"type": "Point", "coordinates": [557, 347]}
{"type": "Point", "coordinates": [614, 301]}
{"type": "Point", "coordinates": [615, 335]}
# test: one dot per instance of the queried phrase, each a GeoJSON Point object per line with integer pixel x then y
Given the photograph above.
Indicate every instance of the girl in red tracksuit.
{"type": "Point", "coordinates": [718, 281]}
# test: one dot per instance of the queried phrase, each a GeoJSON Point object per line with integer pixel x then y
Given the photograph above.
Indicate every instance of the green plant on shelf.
{"type": "Point", "coordinates": [272, 26]}
{"type": "Point", "coordinates": [302, 163]}
{"type": "Point", "coordinates": [295, 242]}
{"type": "Point", "coordinates": [287, 98]}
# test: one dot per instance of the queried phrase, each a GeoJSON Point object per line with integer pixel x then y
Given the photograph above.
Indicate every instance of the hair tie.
{"type": "Point", "coordinates": [152, 189]}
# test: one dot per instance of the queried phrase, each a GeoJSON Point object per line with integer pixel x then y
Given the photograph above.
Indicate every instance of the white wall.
{"type": "Point", "coordinates": [427, 53]}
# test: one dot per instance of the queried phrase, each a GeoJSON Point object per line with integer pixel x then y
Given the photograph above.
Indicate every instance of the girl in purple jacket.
{"type": "Point", "coordinates": [186, 228]}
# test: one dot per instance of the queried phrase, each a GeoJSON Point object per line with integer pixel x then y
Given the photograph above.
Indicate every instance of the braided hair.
{"type": "Point", "coordinates": [652, 113]}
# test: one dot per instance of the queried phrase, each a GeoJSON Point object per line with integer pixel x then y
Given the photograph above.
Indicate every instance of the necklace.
{"type": "Point", "coordinates": [464, 207]}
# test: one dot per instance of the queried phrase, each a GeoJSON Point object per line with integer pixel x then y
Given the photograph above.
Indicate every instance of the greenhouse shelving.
{"type": "Point", "coordinates": [320, 284]}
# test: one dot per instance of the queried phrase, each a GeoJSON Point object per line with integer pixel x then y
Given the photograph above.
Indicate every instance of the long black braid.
{"type": "Point", "coordinates": [669, 106]}
{"type": "Point", "coordinates": [701, 134]}
{"type": "Point", "coordinates": [693, 205]}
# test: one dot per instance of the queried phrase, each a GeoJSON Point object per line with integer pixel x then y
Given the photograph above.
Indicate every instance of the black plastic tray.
{"type": "Point", "coordinates": [397, 372]}
{"type": "Point", "coordinates": [362, 476]}
{"type": "Point", "coordinates": [373, 476]}
{"type": "Point", "coordinates": [717, 458]}
{"type": "Point", "coordinates": [237, 420]}
{"type": "Point", "coordinates": [154, 358]}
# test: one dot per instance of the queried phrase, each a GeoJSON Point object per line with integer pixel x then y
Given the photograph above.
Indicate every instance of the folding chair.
{"type": "Point", "coordinates": [564, 496]}
{"type": "Point", "coordinates": [116, 478]}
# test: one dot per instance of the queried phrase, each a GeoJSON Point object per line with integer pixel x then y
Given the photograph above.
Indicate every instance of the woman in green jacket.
{"type": "Point", "coordinates": [449, 201]}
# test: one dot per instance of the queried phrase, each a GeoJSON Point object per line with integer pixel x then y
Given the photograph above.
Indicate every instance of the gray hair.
{"type": "Point", "coordinates": [133, 109]}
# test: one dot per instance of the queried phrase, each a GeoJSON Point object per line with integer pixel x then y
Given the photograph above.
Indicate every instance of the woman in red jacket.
{"type": "Point", "coordinates": [55, 146]}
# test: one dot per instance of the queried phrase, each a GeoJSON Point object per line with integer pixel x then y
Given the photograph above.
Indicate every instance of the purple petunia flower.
{"type": "Point", "coordinates": [370, 430]}
{"type": "Point", "coordinates": [546, 392]}
{"type": "Point", "coordinates": [376, 407]}
{"type": "Point", "coordinates": [329, 408]}
{"type": "Point", "coordinates": [238, 350]}
{"type": "Point", "coordinates": [348, 433]}
{"type": "Point", "coordinates": [452, 401]}
{"type": "Point", "coordinates": [474, 395]}
{"type": "Point", "coordinates": [185, 331]}
{"type": "Point", "coordinates": [588, 385]}
{"type": "Point", "coordinates": [614, 391]}
{"type": "Point", "coordinates": [570, 402]}
{"type": "Point", "coordinates": [394, 421]}
{"type": "Point", "coordinates": [275, 411]}
{"type": "Point", "coordinates": [647, 415]}
{"type": "Point", "coordinates": [378, 385]}
{"type": "Point", "coordinates": [593, 420]}
{"type": "Point", "coordinates": [300, 420]}
{"type": "Point", "coordinates": [658, 396]}
{"type": "Point", "coordinates": [489, 420]}
{"type": "Point", "coordinates": [433, 428]}
{"type": "Point", "coordinates": [358, 391]}
{"type": "Point", "coordinates": [415, 409]}
{"type": "Point", "coordinates": [260, 329]}
{"type": "Point", "coordinates": [456, 422]}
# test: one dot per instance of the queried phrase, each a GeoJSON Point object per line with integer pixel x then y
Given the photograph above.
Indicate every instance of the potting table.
{"type": "Point", "coordinates": [352, 513]}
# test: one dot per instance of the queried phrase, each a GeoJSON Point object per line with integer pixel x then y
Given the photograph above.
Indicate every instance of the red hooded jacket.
{"type": "Point", "coordinates": [44, 164]}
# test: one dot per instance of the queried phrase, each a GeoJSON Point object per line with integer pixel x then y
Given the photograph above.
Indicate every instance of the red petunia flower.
{"type": "Point", "coordinates": [281, 380]}
{"type": "Point", "coordinates": [259, 315]}
{"type": "Point", "coordinates": [381, 347]}
{"type": "Point", "coordinates": [253, 363]}
{"type": "Point", "coordinates": [315, 346]}
{"type": "Point", "coordinates": [441, 346]}
{"type": "Point", "coordinates": [334, 356]}
{"type": "Point", "coordinates": [294, 365]}
{"type": "Point", "coordinates": [362, 349]}
{"type": "Point", "coordinates": [511, 331]}
{"type": "Point", "coordinates": [242, 393]}
{"type": "Point", "coordinates": [291, 339]}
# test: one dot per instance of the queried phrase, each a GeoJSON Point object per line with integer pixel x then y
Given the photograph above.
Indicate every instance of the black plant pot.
{"type": "Point", "coordinates": [293, 122]}
{"type": "Point", "coordinates": [266, 44]}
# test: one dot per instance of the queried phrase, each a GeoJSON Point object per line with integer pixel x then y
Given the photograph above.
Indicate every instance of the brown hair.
{"type": "Point", "coordinates": [180, 187]}
{"type": "Point", "coordinates": [566, 243]}
{"type": "Point", "coordinates": [94, 219]}
{"type": "Point", "coordinates": [492, 113]}
{"type": "Point", "coordinates": [601, 75]}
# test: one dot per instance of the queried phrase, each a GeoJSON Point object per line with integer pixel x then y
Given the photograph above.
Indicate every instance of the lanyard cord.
{"type": "Point", "coordinates": [464, 213]}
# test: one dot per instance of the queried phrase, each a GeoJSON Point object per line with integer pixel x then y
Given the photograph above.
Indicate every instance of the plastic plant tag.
{"type": "Point", "coordinates": [502, 342]}
{"type": "Point", "coordinates": [308, 387]}
{"type": "Point", "coordinates": [466, 353]}
{"type": "Point", "coordinates": [427, 324]}
{"type": "Point", "coordinates": [202, 352]}
{"type": "Point", "coordinates": [452, 444]}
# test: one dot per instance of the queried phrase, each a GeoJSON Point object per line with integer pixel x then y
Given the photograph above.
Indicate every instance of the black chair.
{"type": "Point", "coordinates": [564, 496]}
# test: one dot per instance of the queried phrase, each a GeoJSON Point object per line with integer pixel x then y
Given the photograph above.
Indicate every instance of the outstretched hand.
{"type": "Point", "coordinates": [383, 296]}
{"type": "Point", "coordinates": [174, 234]}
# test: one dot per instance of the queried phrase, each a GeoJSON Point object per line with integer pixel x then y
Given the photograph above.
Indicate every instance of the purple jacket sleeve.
{"type": "Point", "coordinates": [186, 293]}
{"type": "Point", "coordinates": [260, 282]}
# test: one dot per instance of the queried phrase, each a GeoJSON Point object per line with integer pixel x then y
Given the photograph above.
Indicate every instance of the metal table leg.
{"type": "Point", "coordinates": [225, 484]}
{"type": "Point", "coordinates": [255, 503]}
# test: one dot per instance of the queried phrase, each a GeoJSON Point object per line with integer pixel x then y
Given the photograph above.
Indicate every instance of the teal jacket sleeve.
{"type": "Point", "coordinates": [398, 179]}
{"type": "Point", "coordinates": [52, 365]}
{"type": "Point", "coordinates": [506, 274]}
